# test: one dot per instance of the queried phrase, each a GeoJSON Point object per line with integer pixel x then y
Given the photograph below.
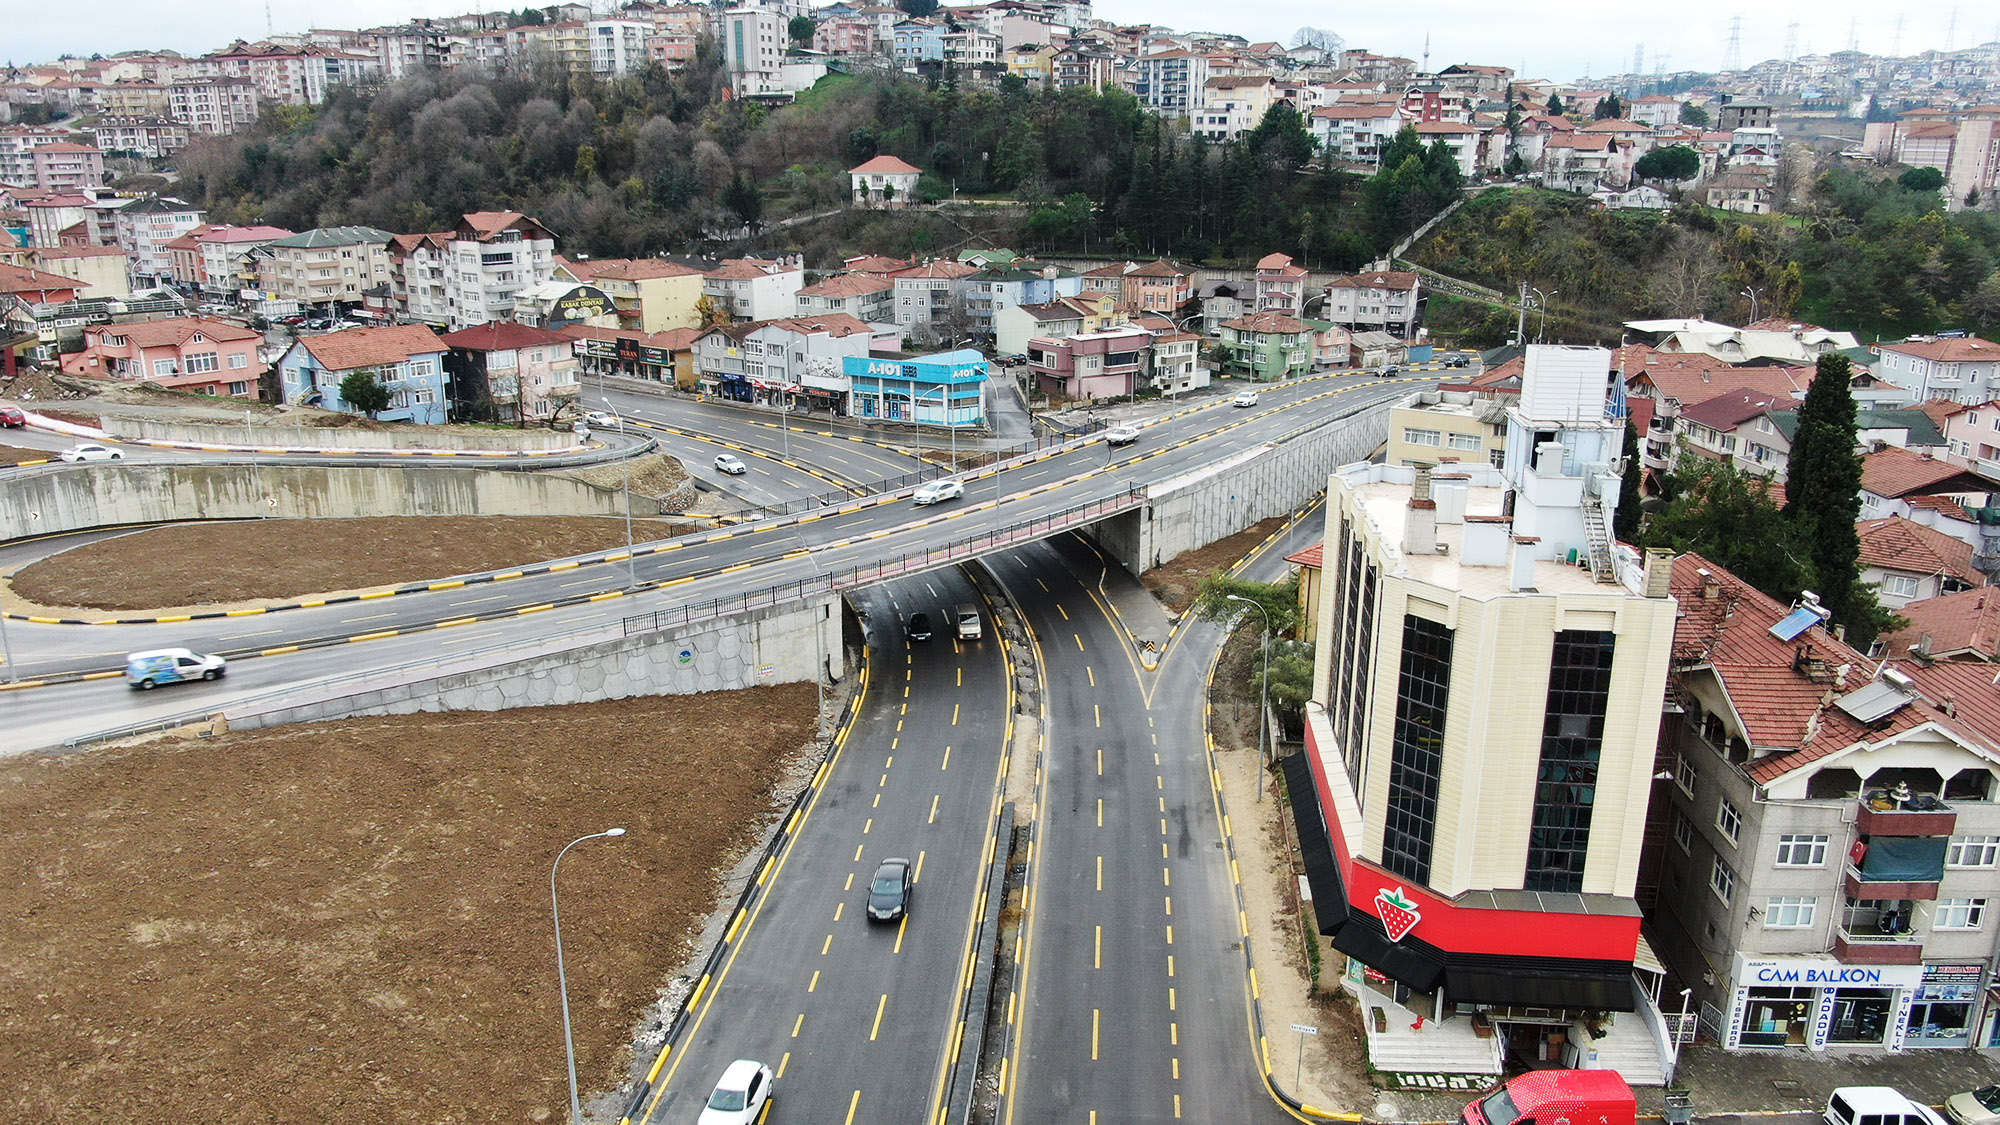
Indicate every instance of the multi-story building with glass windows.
{"type": "Point", "coordinates": [1480, 745]}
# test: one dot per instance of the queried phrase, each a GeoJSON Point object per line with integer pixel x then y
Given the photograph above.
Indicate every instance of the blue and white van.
{"type": "Point", "coordinates": [146, 670]}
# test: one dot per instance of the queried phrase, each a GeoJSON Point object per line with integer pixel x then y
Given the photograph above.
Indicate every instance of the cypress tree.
{"type": "Point", "coordinates": [1625, 521]}
{"type": "Point", "coordinates": [1823, 499]}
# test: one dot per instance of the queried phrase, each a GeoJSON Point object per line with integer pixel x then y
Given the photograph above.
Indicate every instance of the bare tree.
{"type": "Point", "coordinates": [1684, 284]}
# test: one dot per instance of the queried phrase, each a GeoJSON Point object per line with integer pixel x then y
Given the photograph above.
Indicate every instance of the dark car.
{"type": "Point", "coordinates": [1454, 361]}
{"type": "Point", "coordinates": [920, 626]}
{"type": "Point", "coordinates": [889, 891]}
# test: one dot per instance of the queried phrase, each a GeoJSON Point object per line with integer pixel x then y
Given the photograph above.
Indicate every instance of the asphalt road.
{"type": "Point", "coordinates": [695, 569]}
{"type": "Point", "coordinates": [1133, 1000]}
{"type": "Point", "coordinates": [855, 1018]}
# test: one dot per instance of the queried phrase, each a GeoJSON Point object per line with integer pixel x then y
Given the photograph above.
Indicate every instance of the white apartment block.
{"type": "Point", "coordinates": [143, 228]}
{"type": "Point", "coordinates": [1169, 83]}
{"type": "Point", "coordinates": [217, 106]}
{"type": "Point", "coordinates": [17, 147]}
{"type": "Point", "coordinates": [753, 48]}
{"type": "Point", "coordinates": [493, 255]}
{"type": "Point", "coordinates": [755, 288]}
{"type": "Point", "coordinates": [321, 267]}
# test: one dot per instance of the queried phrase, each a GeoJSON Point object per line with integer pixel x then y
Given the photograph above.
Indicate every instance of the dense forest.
{"type": "Point", "coordinates": [1862, 250]}
{"type": "Point", "coordinates": [658, 162]}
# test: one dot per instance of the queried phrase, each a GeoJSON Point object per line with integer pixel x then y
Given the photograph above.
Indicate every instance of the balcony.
{"type": "Point", "coordinates": [1858, 885]}
{"type": "Point", "coordinates": [1918, 815]}
{"type": "Point", "coordinates": [1862, 948]}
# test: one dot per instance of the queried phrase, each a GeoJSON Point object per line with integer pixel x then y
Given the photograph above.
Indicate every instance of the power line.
{"type": "Point", "coordinates": [1732, 59]}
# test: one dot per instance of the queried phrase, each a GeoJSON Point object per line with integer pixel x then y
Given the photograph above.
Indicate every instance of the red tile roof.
{"type": "Point", "coordinates": [885, 165]}
{"type": "Point", "coordinates": [875, 263]}
{"type": "Point", "coordinates": [1941, 410]}
{"type": "Point", "coordinates": [1901, 544]}
{"type": "Point", "coordinates": [1963, 624]}
{"type": "Point", "coordinates": [1311, 556]}
{"type": "Point", "coordinates": [1380, 279]}
{"type": "Point", "coordinates": [1895, 472]}
{"type": "Point", "coordinates": [1266, 322]}
{"type": "Point", "coordinates": [1701, 378]}
{"type": "Point", "coordinates": [1163, 268]}
{"type": "Point", "coordinates": [944, 270]}
{"type": "Point", "coordinates": [176, 331]}
{"type": "Point", "coordinates": [1943, 504]}
{"type": "Point", "coordinates": [1949, 350]}
{"type": "Point", "coordinates": [1727, 411]}
{"type": "Point", "coordinates": [21, 279]}
{"type": "Point", "coordinates": [849, 285]}
{"type": "Point", "coordinates": [366, 347]}
{"type": "Point", "coordinates": [501, 336]}
{"type": "Point", "coordinates": [634, 269]}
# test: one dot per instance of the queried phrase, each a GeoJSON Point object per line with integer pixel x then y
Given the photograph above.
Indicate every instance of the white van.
{"type": "Point", "coordinates": [146, 670]}
{"type": "Point", "coordinates": [1876, 1105]}
{"type": "Point", "coordinates": [966, 616]}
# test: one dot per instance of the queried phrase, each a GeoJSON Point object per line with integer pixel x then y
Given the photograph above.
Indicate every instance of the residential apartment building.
{"type": "Point", "coordinates": [935, 289]}
{"type": "Point", "coordinates": [1174, 359]}
{"type": "Point", "coordinates": [1015, 325]}
{"type": "Point", "coordinates": [416, 48]}
{"type": "Point", "coordinates": [1090, 365]}
{"type": "Point", "coordinates": [418, 264]}
{"type": "Point", "coordinates": [491, 257]}
{"type": "Point", "coordinates": [1266, 346]}
{"type": "Point", "coordinates": [151, 137]}
{"type": "Point", "coordinates": [769, 361]}
{"type": "Point", "coordinates": [407, 359]}
{"type": "Point", "coordinates": [649, 294]}
{"type": "Point", "coordinates": [143, 228]}
{"type": "Point", "coordinates": [17, 146]}
{"type": "Point", "coordinates": [755, 288]}
{"type": "Point", "coordinates": [1444, 426]}
{"type": "Point", "coordinates": [1169, 83]}
{"type": "Point", "coordinates": [100, 270]}
{"type": "Point", "coordinates": [1480, 744]}
{"type": "Point", "coordinates": [884, 181]}
{"type": "Point", "coordinates": [1281, 286]}
{"type": "Point", "coordinates": [194, 354]}
{"type": "Point", "coordinates": [1963, 368]}
{"type": "Point", "coordinates": [67, 167]}
{"type": "Point", "coordinates": [323, 268]}
{"type": "Point", "coordinates": [866, 298]}
{"type": "Point", "coordinates": [1083, 67]}
{"type": "Point", "coordinates": [1022, 283]}
{"type": "Point", "coordinates": [1382, 301]}
{"type": "Point", "coordinates": [1829, 838]}
{"type": "Point", "coordinates": [1354, 132]}
{"type": "Point", "coordinates": [511, 372]}
{"type": "Point", "coordinates": [753, 49]}
{"type": "Point", "coordinates": [1232, 105]}
{"type": "Point", "coordinates": [214, 104]}
{"type": "Point", "coordinates": [225, 264]}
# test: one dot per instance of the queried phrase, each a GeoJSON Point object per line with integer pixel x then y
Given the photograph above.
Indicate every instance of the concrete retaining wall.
{"type": "Point", "coordinates": [1205, 505]}
{"type": "Point", "coordinates": [314, 437]}
{"type": "Point", "coordinates": [753, 649]}
{"type": "Point", "coordinates": [129, 492]}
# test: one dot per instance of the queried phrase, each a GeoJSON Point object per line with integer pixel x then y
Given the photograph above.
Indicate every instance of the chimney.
{"type": "Point", "coordinates": [1711, 587]}
{"type": "Point", "coordinates": [1420, 523]}
{"type": "Point", "coordinates": [1521, 566]}
{"type": "Point", "coordinates": [1659, 572]}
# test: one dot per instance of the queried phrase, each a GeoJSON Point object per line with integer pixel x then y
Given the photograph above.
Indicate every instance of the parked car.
{"type": "Point", "coordinates": [602, 420]}
{"type": "Point", "coordinates": [147, 670]}
{"type": "Point", "coordinates": [1876, 1105]}
{"type": "Point", "coordinates": [730, 463]}
{"type": "Point", "coordinates": [12, 416]}
{"type": "Point", "coordinates": [1975, 1107]}
{"type": "Point", "coordinates": [89, 451]}
{"type": "Point", "coordinates": [1121, 435]}
{"type": "Point", "coordinates": [1455, 359]}
{"type": "Point", "coordinates": [889, 891]}
{"type": "Point", "coordinates": [739, 1096]}
{"type": "Point", "coordinates": [1244, 398]}
{"type": "Point", "coordinates": [920, 626]}
{"type": "Point", "coordinates": [939, 490]}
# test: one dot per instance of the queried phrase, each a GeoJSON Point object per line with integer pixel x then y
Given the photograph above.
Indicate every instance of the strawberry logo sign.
{"type": "Point", "coordinates": [1398, 912]}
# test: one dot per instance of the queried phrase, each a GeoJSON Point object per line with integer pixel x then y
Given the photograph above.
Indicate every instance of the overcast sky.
{"type": "Point", "coordinates": [1565, 42]}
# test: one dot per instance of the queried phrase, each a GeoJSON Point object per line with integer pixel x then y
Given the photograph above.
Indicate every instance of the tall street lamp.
{"type": "Point", "coordinates": [1264, 688]}
{"type": "Point", "coordinates": [1751, 293]}
{"type": "Point", "coordinates": [625, 463]}
{"type": "Point", "coordinates": [944, 402]}
{"type": "Point", "coordinates": [1542, 302]}
{"type": "Point", "coordinates": [562, 978]}
{"type": "Point", "coordinates": [1680, 1033]}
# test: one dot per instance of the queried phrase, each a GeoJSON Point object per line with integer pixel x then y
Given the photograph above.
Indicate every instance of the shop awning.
{"type": "Point", "coordinates": [1315, 850]}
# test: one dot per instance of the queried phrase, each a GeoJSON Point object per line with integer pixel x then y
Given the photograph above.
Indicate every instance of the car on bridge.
{"type": "Point", "coordinates": [889, 891]}
{"type": "Point", "coordinates": [939, 490]}
{"type": "Point", "coordinates": [89, 451]}
{"type": "Point", "coordinates": [1121, 435]}
{"type": "Point", "coordinates": [740, 1096]}
{"type": "Point", "coordinates": [730, 463]}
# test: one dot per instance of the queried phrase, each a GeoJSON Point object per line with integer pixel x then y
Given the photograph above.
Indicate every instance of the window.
{"type": "Point", "coordinates": [1464, 441]}
{"type": "Point", "coordinates": [1421, 437]}
{"type": "Point", "coordinates": [238, 362]}
{"type": "Point", "coordinates": [1789, 913]}
{"type": "Point", "coordinates": [163, 367]}
{"type": "Point", "coordinates": [239, 388]}
{"type": "Point", "coordinates": [1685, 775]}
{"type": "Point", "coordinates": [1684, 833]}
{"type": "Point", "coordinates": [1802, 851]}
{"type": "Point", "coordinates": [1973, 851]}
{"type": "Point", "coordinates": [1960, 914]}
{"type": "Point", "coordinates": [1416, 757]}
{"type": "Point", "coordinates": [1899, 585]}
{"type": "Point", "coordinates": [1498, 458]}
{"type": "Point", "coordinates": [1728, 819]}
{"type": "Point", "coordinates": [1722, 881]}
{"type": "Point", "coordinates": [1566, 776]}
{"type": "Point", "coordinates": [201, 363]}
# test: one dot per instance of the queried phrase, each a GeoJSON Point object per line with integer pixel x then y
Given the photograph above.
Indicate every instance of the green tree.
{"type": "Point", "coordinates": [1608, 107]}
{"type": "Point", "coordinates": [1920, 179]}
{"type": "Point", "coordinates": [1289, 684]}
{"type": "Point", "coordinates": [918, 9]}
{"type": "Point", "coordinates": [1556, 104]}
{"type": "Point", "coordinates": [362, 391]}
{"type": "Point", "coordinates": [1674, 162]}
{"type": "Point", "coordinates": [1823, 498]}
{"type": "Point", "coordinates": [745, 200]}
{"type": "Point", "coordinates": [801, 29]}
{"type": "Point", "coordinates": [1278, 599]}
{"type": "Point", "coordinates": [1625, 521]}
{"type": "Point", "coordinates": [1692, 114]}
{"type": "Point", "coordinates": [1730, 519]}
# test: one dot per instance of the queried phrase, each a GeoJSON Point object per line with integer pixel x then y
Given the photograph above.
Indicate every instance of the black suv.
{"type": "Point", "coordinates": [920, 626]}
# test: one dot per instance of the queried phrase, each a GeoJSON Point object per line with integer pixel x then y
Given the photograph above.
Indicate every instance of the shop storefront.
{"type": "Point", "coordinates": [1780, 1002]}
{"type": "Point", "coordinates": [1945, 1009]}
{"type": "Point", "coordinates": [947, 389]}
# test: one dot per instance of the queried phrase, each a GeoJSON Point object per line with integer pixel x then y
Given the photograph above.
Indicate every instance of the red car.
{"type": "Point", "coordinates": [11, 415]}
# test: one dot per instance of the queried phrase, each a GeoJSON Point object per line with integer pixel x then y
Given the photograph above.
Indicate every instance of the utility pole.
{"type": "Point", "coordinates": [1521, 316]}
{"type": "Point", "coordinates": [1732, 58]}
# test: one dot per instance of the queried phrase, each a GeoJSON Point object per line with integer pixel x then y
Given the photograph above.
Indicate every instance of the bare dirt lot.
{"type": "Point", "coordinates": [279, 559]}
{"type": "Point", "coordinates": [349, 921]}
{"type": "Point", "coordinates": [15, 454]}
{"type": "Point", "coordinates": [1176, 583]}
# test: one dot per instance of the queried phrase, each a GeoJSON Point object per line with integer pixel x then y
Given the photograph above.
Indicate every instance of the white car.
{"type": "Point", "coordinates": [602, 420]}
{"type": "Point", "coordinates": [741, 1095]}
{"type": "Point", "coordinates": [1244, 398]}
{"type": "Point", "coordinates": [939, 490]}
{"type": "Point", "coordinates": [89, 452]}
{"type": "Point", "coordinates": [1121, 435]}
{"type": "Point", "coordinates": [730, 463]}
{"type": "Point", "coordinates": [1975, 1107]}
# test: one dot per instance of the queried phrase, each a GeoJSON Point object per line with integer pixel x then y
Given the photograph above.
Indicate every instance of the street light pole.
{"type": "Point", "coordinates": [819, 641]}
{"type": "Point", "coordinates": [625, 463]}
{"type": "Point", "coordinates": [1751, 293]}
{"type": "Point", "coordinates": [1542, 302]}
{"type": "Point", "coordinates": [7, 649]}
{"type": "Point", "coordinates": [1264, 689]}
{"type": "Point", "coordinates": [1680, 1032]}
{"type": "Point", "coordinates": [562, 976]}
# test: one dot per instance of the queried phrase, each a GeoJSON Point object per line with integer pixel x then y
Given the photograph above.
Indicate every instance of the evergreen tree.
{"type": "Point", "coordinates": [1625, 522]}
{"type": "Point", "coordinates": [1730, 519]}
{"type": "Point", "coordinates": [1823, 499]}
{"type": "Point", "coordinates": [1556, 104]}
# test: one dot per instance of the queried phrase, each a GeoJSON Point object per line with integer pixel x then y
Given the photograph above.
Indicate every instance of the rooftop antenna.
{"type": "Point", "coordinates": [1792, 39]}
{"type": "Point", "coordinates": [1853, 40]}
{"type": "Point", "coordinates": [1951, 31]}
{"type": "Point", "coordinates": [269, 28]}
{"type": "Point", "coordinates": [1638, 59]}
{"type": "Point", "coordinates": [1896, 42]}
{"type": "Point", "coordinates": [1732, 58]}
